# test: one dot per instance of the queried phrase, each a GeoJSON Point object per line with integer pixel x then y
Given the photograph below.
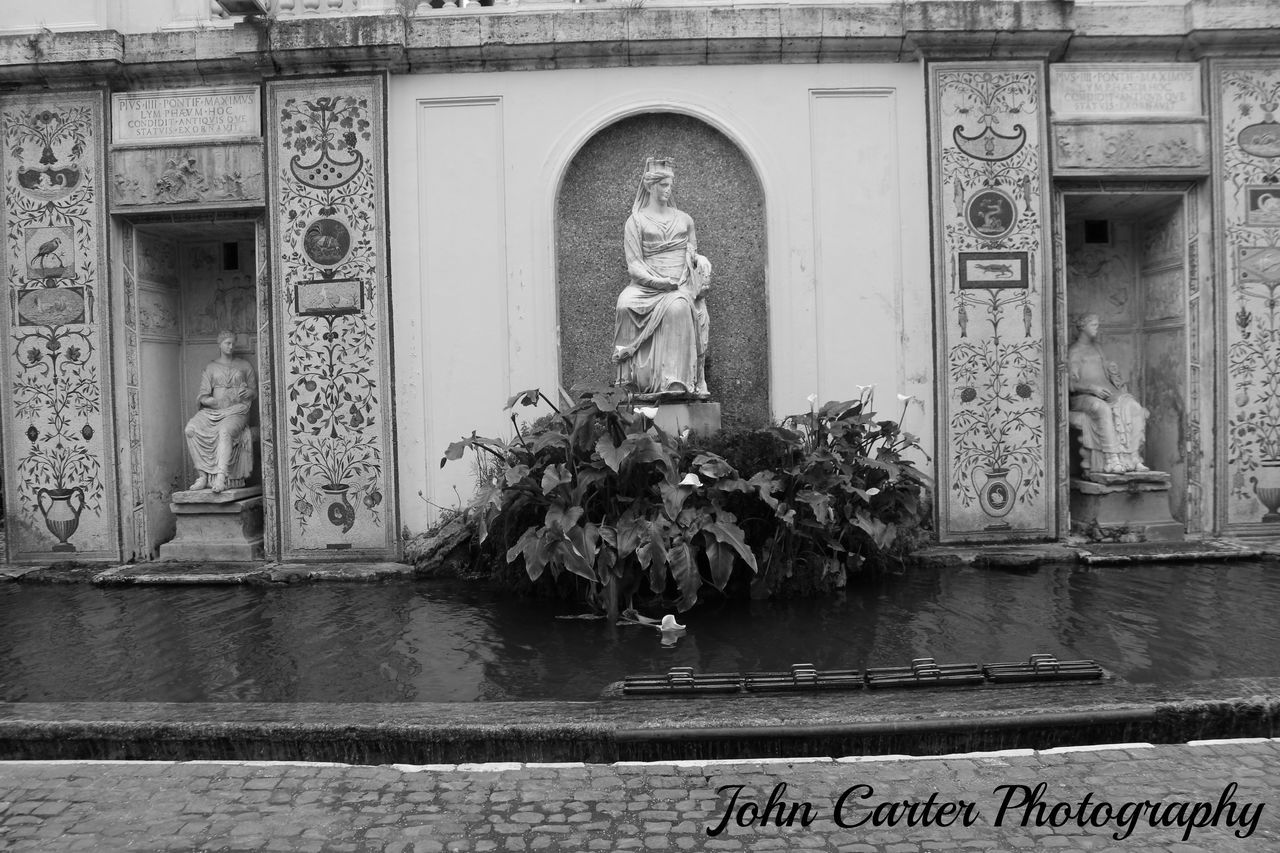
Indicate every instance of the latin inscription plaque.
{"type": "Point", "coordinates": [181, 115]}
{"type": "Point", "coordinates": [1165, 89]}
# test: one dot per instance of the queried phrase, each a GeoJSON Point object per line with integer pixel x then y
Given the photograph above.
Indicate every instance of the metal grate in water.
{"type": "Point", "coordinates": [923, 672]}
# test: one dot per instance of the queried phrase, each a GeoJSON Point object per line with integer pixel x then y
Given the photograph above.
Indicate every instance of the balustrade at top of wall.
{"type": "Point", "coordinates": [308, 8]}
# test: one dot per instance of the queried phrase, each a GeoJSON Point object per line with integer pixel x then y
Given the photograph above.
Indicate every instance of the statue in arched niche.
{"type": "Point", "coordinates": [662, 328]}
{"type": "Point", "coordinates": [218, 435]}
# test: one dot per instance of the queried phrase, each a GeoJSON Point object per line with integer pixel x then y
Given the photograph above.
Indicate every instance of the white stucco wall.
{"type": "Point", "coordinates": [475, 162]}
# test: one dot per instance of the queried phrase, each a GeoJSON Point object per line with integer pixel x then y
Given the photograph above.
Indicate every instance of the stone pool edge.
{"type": "Point", "coordinates": [1013, 557]}
{"type": "Point", "coordinates": [924, 722]}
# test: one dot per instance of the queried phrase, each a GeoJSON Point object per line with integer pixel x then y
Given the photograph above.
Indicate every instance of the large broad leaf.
{"type": "Point", "coordinates": [673, 498]}
{"type": "Point", "coordinates": [550, 438]}
{"type": "Point", "coordinates": [642, 448]}
{"type": "Point", "coordinates": [555, 476]}
{"type": "Point", "coordinates": [710, 465]}
{"type": "Point", "coordinates": [515, 474]}
{"type": "Point", "coordinates": [561, 519]}
{"type": "Point", "coordinates": [766, 485]}
{"type": "Point", "coordinates": [819, 503]}
{"type": "Point", "coordinates": [530, 535]}
{"type": "Point", "coordinates": [588, 478]}
{"type": "Point", "coordinates": [653, 557]}
{"type": "Point", "coordinates": [630, 530]}
{"type": "Point", "coordinates": [607, 564]}
{"type": "Point", "coordinates": [874, 527]}
{"type": "Point", "coordinates": [568, 556]}
{"type": "Point", "coordinates": [720, 558]}
{"type": "Point", "coordinates": [612, 454]}
{"type": "Point", "coordinates": [528, 397]}
{"type": "Point", "coordinates": [685, 571]}
{"type": "Point", "coordinates": [728, 533]}
{"type": "Point", "coordinates": [456, 449]}
{"type": "Point", "coordinates": [582, 560]}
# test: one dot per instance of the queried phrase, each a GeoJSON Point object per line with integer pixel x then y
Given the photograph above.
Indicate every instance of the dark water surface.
{"type": "Point", "coordinates": [449, 642]}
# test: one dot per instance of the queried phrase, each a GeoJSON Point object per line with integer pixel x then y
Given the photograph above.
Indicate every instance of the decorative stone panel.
{"type": "Point", "coordinates": [334, 439]}
{"type": "Point", "coordinates": [1096, 148]}
{"type": "Point", "coordinates": [60, 497]}
{"type": "Point", "coordinates": [995, 386]}
{"type": "Point", "coordinates": [1247, 180]}
{"type": "Point", "coordinates": [228, 175]}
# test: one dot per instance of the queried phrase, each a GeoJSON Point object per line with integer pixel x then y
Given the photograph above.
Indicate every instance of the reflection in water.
{"type": "Point", "coordinates": [448, 642]}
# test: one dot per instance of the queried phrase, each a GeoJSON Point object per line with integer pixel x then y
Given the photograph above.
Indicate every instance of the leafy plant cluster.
{"type": "Point", "coordinates": [598, 492]}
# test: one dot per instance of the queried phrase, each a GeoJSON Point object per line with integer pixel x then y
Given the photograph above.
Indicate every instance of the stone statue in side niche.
{"type": "Point", "coordinates": [218, 436]}
{"type": "Point", "coordinates": [662, 327]}
{"type": "Point", "coordinates": [1112, 423]}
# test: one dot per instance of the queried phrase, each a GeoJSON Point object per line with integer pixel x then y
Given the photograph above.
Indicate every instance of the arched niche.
{"type": "Point", "coordinates": [716, 185]}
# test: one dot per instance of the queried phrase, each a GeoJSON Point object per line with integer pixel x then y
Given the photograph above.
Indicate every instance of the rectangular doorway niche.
{"type": "Point", "coordinates": [191, 279]}
{"type": "Point", "coordinates": [1128, 258]}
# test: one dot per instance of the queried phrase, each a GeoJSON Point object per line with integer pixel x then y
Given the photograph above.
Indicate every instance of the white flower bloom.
{"type": "Point", "coordinates": [906, 398]}
{"type": "Point", "coordinates": [872, 492]}
{"type": "Point", "coordinates": [812, 398]}
{"type": "Point", "coordinates": [649, 412]}
{"type": "Point", "coordinates": [691, 479]}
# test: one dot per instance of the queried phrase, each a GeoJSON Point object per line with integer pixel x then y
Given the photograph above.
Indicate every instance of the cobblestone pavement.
{"type": "Point", "coordinates": [959, 804]}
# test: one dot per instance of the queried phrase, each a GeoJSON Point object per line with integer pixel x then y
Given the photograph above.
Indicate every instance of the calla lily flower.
{"type": "Point", "coordinates": [649, 412]}
{"type": "Point", "coordinates": [691, 479]}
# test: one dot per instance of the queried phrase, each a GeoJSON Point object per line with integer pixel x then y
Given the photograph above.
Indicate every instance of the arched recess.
{"type": "Point", "coordinates": [717, 186]}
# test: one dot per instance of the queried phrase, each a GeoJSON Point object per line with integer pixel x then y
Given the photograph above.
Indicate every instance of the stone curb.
{"type": "Point", "coordinates": [739, 763]}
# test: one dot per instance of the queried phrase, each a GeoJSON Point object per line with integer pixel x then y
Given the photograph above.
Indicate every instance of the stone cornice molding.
{"type": "Point", "coordinates": [541, 36]}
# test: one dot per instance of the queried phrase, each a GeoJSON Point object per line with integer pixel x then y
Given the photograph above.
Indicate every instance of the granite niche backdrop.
{"type": "Point", "coordinates": [59, 477]}
{"type": "Point", "coordinates": [332, 383]}
{"type": "Point", "coordinates": [717, 187]}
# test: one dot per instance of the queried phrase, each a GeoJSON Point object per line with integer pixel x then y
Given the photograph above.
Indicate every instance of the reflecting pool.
{"type": "Point", "coordinates": [454, 642]}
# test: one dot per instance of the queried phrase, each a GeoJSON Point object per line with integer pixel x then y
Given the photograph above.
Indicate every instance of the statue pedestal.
{"type": "Point", "coordinates": [1138, 500]}
{"type": "Point", "coordinates": [223, 528]}
{"type": "Point", "coordinates": [700, 417]}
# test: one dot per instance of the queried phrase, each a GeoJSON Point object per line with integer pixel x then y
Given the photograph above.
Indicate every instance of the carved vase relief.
{"type": "Point", "coordinates": [58, 488]}
{"type": "Point", "coordinates": [990, 165]}
{"type": "Point", "coordinates": [333, 359]}
{"type": "Point", "coordinates": [1251, 180]}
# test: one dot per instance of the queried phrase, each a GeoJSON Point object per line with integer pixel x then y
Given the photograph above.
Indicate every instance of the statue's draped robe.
{"type": "Point", "coordinates": [1118, 425]}
{"type": "Point", "coordinates": [667, 330]}
{"type": "Point", "coordinates": [218, 438]}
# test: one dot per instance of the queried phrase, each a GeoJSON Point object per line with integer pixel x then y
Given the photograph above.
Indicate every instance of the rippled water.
{"type": "Point", "coordinates": [446, 642]}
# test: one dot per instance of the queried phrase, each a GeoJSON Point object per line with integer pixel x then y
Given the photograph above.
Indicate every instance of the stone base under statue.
{"type": "Point", "coordinates": [699, 417]}
{"type": "Point", "coordinates": [225, 527]}
{"type": "Point", "coordinates": [1137, 500]}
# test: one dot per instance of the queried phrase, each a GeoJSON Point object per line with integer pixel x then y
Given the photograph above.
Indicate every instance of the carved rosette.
{"type": "Point", "coordinates": [59, 478]}
{"type": "Point", "coordinates": [336, 483]}
{"type": "Point", "coordinates": [989, 176]}
{"type": "Point", "coordinates": [1249, 143]}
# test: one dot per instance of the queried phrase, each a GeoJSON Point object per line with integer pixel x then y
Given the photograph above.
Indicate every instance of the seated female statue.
{"type": "Point", "coordinates": [218, 435]}
{"type": "Point", "coordinates": [661, 327]}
